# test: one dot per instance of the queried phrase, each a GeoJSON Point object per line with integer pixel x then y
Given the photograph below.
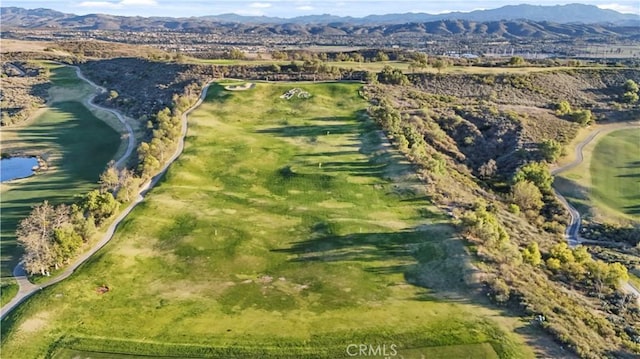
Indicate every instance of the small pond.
{"type": "Point", "coordinates": [17, 167]}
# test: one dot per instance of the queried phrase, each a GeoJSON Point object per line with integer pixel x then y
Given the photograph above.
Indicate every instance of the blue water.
{"type": "Point", "coordinates": [16, 167]}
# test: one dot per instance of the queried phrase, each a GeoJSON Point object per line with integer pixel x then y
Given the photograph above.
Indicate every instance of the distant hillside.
{"type": "Point", "coordinates": [563, 14]}
{"type": "Point", "coordinates": [498, 29]}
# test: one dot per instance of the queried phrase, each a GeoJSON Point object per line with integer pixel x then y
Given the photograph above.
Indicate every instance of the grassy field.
{"type": "Point", "coordinates": [615, 172]}
{"type": "Point", "coordinates": [286, 228]}
{"type": "Point", "coordinates": [605, 186]}
{"type": "Point", "coordinates": [76, 144]}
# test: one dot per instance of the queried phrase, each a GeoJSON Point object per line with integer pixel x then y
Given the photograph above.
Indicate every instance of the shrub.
{"type": "Point", "coordinates": [630, 97]}
{"type": "Point", "coordinates": [550, 150]}
{"type": "Point", "coordinates": [532, 255]}
{"type": "Point", "coordinates": [537, 173]}
{"type": "Point", "coordinates": [631, 86]}
{"type": "Point", "coordinates": [563, 108]}
{"type": "Point", "coordinates": [583, 117]}
{"type": "Point", "coordinates": [527, 196]}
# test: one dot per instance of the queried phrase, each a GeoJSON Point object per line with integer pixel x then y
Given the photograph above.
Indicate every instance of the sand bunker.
{"type": "Point", "coordinates": [243, 87]}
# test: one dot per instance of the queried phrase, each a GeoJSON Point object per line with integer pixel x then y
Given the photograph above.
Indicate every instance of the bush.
{"type": "Point", "coordinates": [583, 117]}
{"type": "Point", "coordinates": [630, 97]}
{"type": "Point", "coordinates": [392, 76]}
{"type": "Point", "coordinates": [631, 86]}
{"type": "Point", "coordinates": [527, 196]}
{"type": "Point", "coordinates": [532, 255]}
{"type": "Point", "coordinates": [550, 150]}
{"type": "Point", "coordinates": [537, 173]}
{"type": "Point", "coordinates": [563, 108]}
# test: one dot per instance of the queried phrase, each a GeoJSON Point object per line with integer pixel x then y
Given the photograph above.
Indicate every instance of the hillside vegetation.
{"type": "Point", "coordinates": [481, 144]}
{"type": "Point", "coordinates": [307, 218]}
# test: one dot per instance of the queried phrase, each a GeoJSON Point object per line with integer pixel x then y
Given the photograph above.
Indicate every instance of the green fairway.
{"type": "Point", "coordinates": [287, 228]}
{"type": "Point", "coordinates": [77, 146]}
{"type": "Point", "coordinates": [615, 172]}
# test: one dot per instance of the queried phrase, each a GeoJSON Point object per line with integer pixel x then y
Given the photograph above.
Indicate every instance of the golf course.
{"type": "Point", "coordinates": [75, 144]}
{"type": "Point", "coordinates": [605, 184]}
{"type": "Point", "coordinates": [615, 172]}
{"type": "Point", "coordinates": [288, 227]}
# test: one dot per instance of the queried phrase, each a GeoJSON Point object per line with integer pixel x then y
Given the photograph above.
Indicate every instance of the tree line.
{"type": "Point", "coordinates": [52, 235]}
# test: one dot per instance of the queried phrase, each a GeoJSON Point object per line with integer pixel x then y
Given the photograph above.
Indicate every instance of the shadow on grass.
{"type": "Point", "coordinates": [632, 210]}
{"type": "Point", "coordinates": [81, 145]}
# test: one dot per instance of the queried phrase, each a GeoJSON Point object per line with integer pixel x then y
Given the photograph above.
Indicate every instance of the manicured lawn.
{"type": "Point", "coordinates": [606, 185]}
{"type": "Point", "coordinates": [615, 172]}
{"type": "Point", "coordinates": [287, 228]}
{"type": "Point", "coordinates": [77, 146]}
{"type": "Point", "coordinates": [8, 290]}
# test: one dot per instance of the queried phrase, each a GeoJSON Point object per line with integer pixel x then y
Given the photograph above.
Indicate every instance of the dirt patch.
{"type": "Point", "coordinates": [35, 323]}
{"type": "Point", "coordinates": [17, 45]}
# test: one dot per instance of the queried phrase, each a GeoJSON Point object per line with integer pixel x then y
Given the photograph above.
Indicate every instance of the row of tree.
{"type": "Point", "coordinates": [52, 235]}
{"type": "Point", "coordinates": [165, 129]}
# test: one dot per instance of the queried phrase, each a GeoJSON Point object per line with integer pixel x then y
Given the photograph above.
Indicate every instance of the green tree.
{"type": "Point", "coordinates": [236, 54]}
{"type": "Point", "coordinates": [631, 86]}
{"type": "Point", "coordinates": [372, 78]}
{"type": "Point", "coordinates": [553, 264]}
{"type": "Point", "coordinates": [583, 117]}
{"type": "Point", "coordinates": [536, 172]}
{"type": "Point", "coordinates": [618, 274]}
{"type": "Point", "coordinates": [581, 254]}
{"type": "Point", "coordinates": [532, 255]}
{"type": "Point", "coordinates": [419, 62]}
{"type": "Point", "coordinates": [66, 243]}
{"type": "Point", "coordinates": [394, 76]}
{"type": "Point", "coordinates": [381, 56]}
{"type": "Point", "coordinates": [279, 55]}
{"type": "Point", "coordinates": [630, 97]}
{"type": "Point", "coordinates": [563, 108]}
{"type": "Point", "coordinates": [440, 64]}
{"type": "Point", "coordinates": [562, 252]}
{"type": "Point", "coordinates": [109, 178]}
{"type": "Point", "coordinates": [357, 57]}
{"type": "Point", "coordinates": [550, 150]}
{"type": "Point", "coordinates": [99, 205]}
{"type": "Point", "coordinates": [516, 61]}
{"type": "Point", "coordinates": [527, 196]}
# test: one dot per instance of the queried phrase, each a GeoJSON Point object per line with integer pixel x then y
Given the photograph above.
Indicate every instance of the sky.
{"type": "Point", "coordinates": [292, 8]}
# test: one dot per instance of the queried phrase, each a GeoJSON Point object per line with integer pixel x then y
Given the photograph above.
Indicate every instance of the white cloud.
{"type": "Point", "coordinates": [305, 8]}
{"type": "Point", "coordinates": [260, 5]}
{"type": "Point", "coordinates": [628, 9]}
{"type": "Point", "coordinates": [117, 5]}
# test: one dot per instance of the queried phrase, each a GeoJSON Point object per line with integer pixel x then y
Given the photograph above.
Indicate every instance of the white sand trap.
{"type": "Point", "coordinates": [243, 87]}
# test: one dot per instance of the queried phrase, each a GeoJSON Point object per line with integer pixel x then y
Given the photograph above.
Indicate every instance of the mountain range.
{"type": "Point", "coordinates": [14, 17]}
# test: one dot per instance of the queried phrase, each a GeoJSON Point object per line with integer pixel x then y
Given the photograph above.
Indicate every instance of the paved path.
{"type": "Point", "coordinates": [573, 230]}
{"type": "Point", "coordinates": [26, 288]}
{"type": "Point", "coordinates": [131, 144]}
